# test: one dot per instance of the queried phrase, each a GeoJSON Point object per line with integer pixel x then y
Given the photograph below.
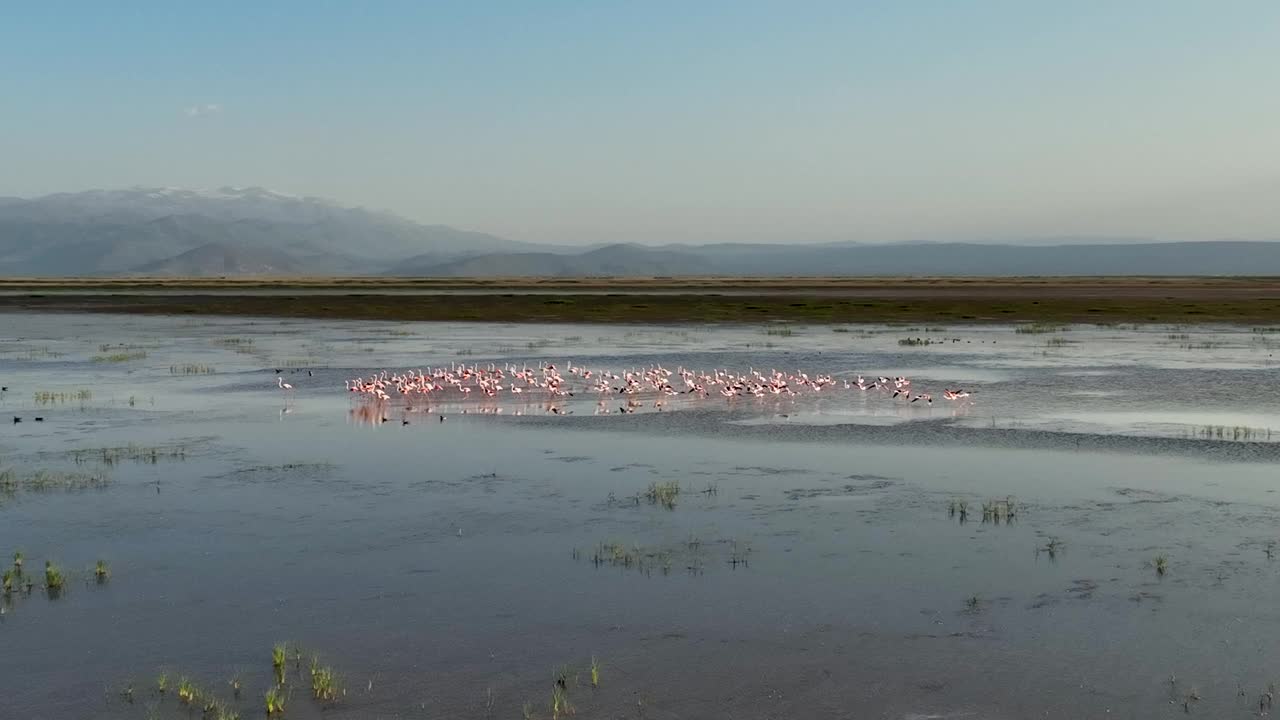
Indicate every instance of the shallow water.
{"type": "Point", "coordinates": [810, 567]}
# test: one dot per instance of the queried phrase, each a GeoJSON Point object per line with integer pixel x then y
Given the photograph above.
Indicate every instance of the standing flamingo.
{"type": "Point", "coordinates": [284, 386]}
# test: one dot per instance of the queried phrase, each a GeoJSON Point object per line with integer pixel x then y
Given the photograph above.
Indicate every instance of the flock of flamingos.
{"type": "Point", "coordinates": [653, 386]}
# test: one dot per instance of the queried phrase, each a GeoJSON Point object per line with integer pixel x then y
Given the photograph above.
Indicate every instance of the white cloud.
{"type": "Point", "coordinates": [202, 110]}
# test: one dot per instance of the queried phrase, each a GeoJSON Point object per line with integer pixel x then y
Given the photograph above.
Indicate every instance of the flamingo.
{"type": "Point", "coordinates": [284, 386]}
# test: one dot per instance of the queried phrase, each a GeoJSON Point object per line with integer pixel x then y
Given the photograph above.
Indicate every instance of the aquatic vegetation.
{"type": "Point", "coordinates": [595, 672]}
{"type": "Point", "coordinates": [120, 357]}
{"type": "Point", "coordinates": [54, 580]}
{"type": "Point", "coordinates": [162, 683]}
{"type": "Point", "coordinates": [664, 494]}
{"type": "Point", "coordinates": [1239, 433]}
{"type": "Point", "coordinates": [1161, 564]}
{"type": "Point", "coordinates": [324, 684]}
{"type": "Point", "coordinates": [191, 369]}
{"type": "Point", "coordinates": [101, 572]}
{"type": "Point", "coordinates": [1052, 548]}
{"type": "Point", "coordinates": [561, 676]}
{"type": "Point", "coordinates": [7, 581]}
{"type": "Point", "coordinates": [187, 692]}
{"type": "Point", "coordinates": [917, 342]}
{"type": "Point", "coordinates": [279, 655]}
{"type": "Point", "coordinates": [784, 331]}
{"type": "Point", "coordinates": [17, 561]}
{"type": "Point", "coordinates": [149, 454]}
{"type": "Point", "coordinates": [997, 511]}
{"type": "Point", "coordinates": [58, 397]}
{"type": "Point", "coordinates": [273, 701]}
{"type": "Point", "coordinates": [526, 711]}
{"type": "Point", "coordinates": [560, 705]}
{"type": "Point", "coordinates": [44, 481]}
{"type": "Point", "coordinates": [1040, 328]}
{"type": "Point", "coordinates": [1057, 342]}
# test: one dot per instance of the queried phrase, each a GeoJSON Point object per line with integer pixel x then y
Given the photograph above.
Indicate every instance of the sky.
{"type": "Point", "coordinates": [656, 122]}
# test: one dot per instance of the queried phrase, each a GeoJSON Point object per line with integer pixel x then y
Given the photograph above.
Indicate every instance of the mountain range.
{"type": "Point", "coordinates": [237, 231]}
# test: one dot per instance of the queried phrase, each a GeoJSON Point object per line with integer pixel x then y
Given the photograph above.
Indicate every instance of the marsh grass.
{"type": "Point", "coordinates": [191, 369]}
{"type": "Point", "coordinates": [279, 656]}
{"type": "Point", "coordinates": [595, 672]}
{"type": "Point", "coordinates": [45, 481]}
{"type": "Point", "coordinates": [998, 511]}
{"type": "Point", "coordinates": [187, 692]}
{"type": "Point", "coordinates": [1236, 433]}
{"type": "Point", "coordinates": [60, 397]}
{"type": "Point", "coordinates": [274, 701]}
{"type": "Point", "coordinates": [664, 494]}
{"type": "Point", "coordinates": [560, 705]}
{"type": "Point", "coordinates": [101, 573]}
{"type": "Point", "coordinates": [324, 684]}
{"type": "Point", "coordinates": [784, 331]}
{"type": "Point", "coordinates": [120, 357]}
{"type": "Point", "coordinates": [147, 454]}
{"type": "Point", "coordinates": [54, 579]}
{"type": "Point", "coordinates": [1057, 342]}
{"type": "Point", "coordinates": [1161, 564]}
{"type": "Point", "coordinates": [917, 342]}
{"type": "Point", "coordinates": [1051, 548]}
{"type": "Point", "coordinates": [1040, 328]}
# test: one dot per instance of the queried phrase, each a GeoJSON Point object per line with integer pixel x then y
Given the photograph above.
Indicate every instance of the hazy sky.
{"type": "Point", "coordinates": [682, 121]}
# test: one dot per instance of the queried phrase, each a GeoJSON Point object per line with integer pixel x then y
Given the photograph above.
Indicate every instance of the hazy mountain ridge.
{"type": "Point", "coordinates": [254, 231]}
{"type": "Point", "coordinates": [125, 231]}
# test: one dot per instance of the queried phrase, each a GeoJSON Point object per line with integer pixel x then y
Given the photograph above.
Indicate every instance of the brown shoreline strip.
{"type": "Point", "coordinates": [1255, 302]}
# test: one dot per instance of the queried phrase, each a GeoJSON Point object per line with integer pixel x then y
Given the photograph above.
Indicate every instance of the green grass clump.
{"type": "Point", "coordinates": [274, 701]}
{"type": "Point", "coordinates": [1040, 328]}
{"type": "Point", "coordinates": [664, 494]}
{"type": "Point", "coordinates": [595, 672]}
{"type": "Point", "coordinates": [324, 684]}
{"type": "Point", "coordinates": [54, 580]}
{"type": "Point", "coordinates": [101, 572]}
{"type": "Point", "coordinates": [120, 357]}
{"type": "Point", "coordinates": [1161, 564]}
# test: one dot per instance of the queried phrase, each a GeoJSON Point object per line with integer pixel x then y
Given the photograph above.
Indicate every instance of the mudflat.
{"type": "Point", "coordinates": [650, 299]}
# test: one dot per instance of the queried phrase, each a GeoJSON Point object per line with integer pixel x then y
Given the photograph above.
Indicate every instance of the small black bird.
{"type": "Point", "coordinates": [404, 422]}
{"type": "Point", "coordinates": [16, 419]}
{"type": "Point", "coordinates": [39, 419]}
{"type": "Point", "coordinates": [441, 418]}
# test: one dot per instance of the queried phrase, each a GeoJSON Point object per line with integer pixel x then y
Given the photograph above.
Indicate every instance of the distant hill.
{"type": "Point", "coordinates": [253, 231]}
{"type": "Point", "coordinates": [971, 259]}
{"type": "Point", "coordinates": [608, 260]}
{"type": "Point", "coordinates": [124, 231]}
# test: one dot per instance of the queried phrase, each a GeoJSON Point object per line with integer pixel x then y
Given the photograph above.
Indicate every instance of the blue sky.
{"type": "Point", "coordinates": [670, 122]}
